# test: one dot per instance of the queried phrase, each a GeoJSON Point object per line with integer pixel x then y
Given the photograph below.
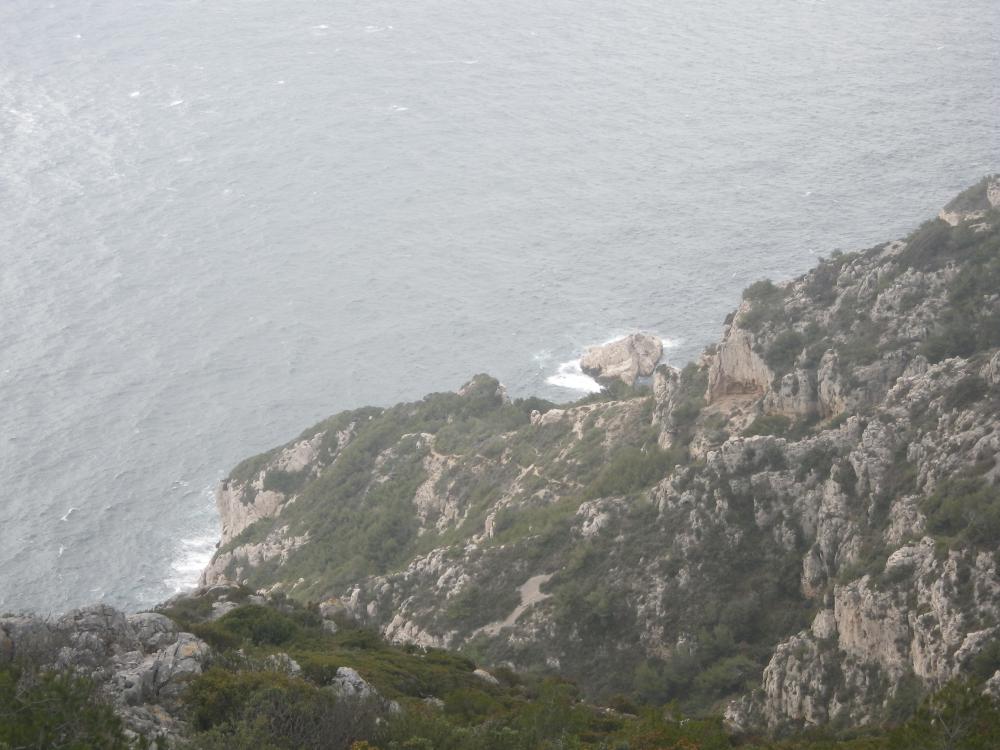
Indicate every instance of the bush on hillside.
{"type": "Point", "coordinates": [55, 710]}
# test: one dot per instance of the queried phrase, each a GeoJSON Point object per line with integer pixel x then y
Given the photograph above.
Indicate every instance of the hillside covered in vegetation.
{"type": "Point", "coordinates": [796, 536]}
{"type": "Point", "coordinates": [266, 673]}
{"type": "Point", "coordinates": [799, 528]}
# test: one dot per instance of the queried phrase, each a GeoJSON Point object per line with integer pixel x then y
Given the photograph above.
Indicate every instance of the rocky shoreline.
{"type": "Point", "coordinates": [799, 529]}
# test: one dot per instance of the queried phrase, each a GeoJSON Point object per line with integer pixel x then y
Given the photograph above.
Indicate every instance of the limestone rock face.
{"type": "Point", "coordinates": [154, 631]}
{"type": "Point", "coordinates": [486, 677]}
{"type": "Point", "coordinates": [992, 370]}
{"type": "Point", "coordinates": [140, 662]}
{"type": "Point", "coordinates": [736, 367]}
{"type": "Point", "coordinates": [350, 685]}
{"type": "Point", "coordinates": [626, 359]}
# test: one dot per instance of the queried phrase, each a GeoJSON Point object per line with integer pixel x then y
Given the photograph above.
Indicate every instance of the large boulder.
{"type": "Point", "coordinates": [161, 676]}
{"type": "Point", "coordinates": [154, 631]}
{"type": "Point", "coordinates": [350, 685]}
{"type": "Point", "coordinates": [626, 359]}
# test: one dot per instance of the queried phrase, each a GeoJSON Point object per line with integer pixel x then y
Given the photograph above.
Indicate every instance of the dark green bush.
{"type": "Point", "coordinates": [906, 699]}
{"type": "Point", "coordinates": [958, 717]}
{"type": "Point", "coordinates": [631, 470]}
{"type": "Point", "coordinates": [259, 625]}
{"type": "Point", "coordinates": [762, 291]}
{"type": "Point", "coordinates": [818, 459]}
{"type": "Point", "coordinates": [861, 346]}
{"type": "Point", "coordinates": [926, 246]}
{"type": "Point", "coordinates": [964, 509]}
{"type": "Point", "coordinates": [271, 710]}
{"type": "Point", "coordinates": [966, 392]}
{"type": "Point", "coordinates": [971, 199]}
{"type": "Point", "coordinates": [691, 397]}
{"type": "Point", "coordinates": [766, 305]}
{"type": "Point", "coordinates": [971, 321]}
{"type": "Point", "coordinates": [783, 351]}
{"type": "Point", "coordinates": [286, 482]}
{"type": "Point", "coordinates": [768, 424]}
{"type": "Point", "coordinates": [41, 710]}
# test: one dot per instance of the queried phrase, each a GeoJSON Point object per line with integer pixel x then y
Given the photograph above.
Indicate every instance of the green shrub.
{"type": "Point", "coordinates": [966, 392]}
{"type": "Point", "coordinates": [783, 351]}
{"type": "Point", "coordinates": [55, 710]}
{"type": "Point", "coordinates": [958, 716]}
{"type": "Point", "coordinates": [766, 305]}
{"type": "Point", "coordinates": [249, 468]}
{"type": "Point", "coordinates": [726, 676]}
{"type": "Point", "coordinates": [861, 346]}
{"type": "Point", "coordinates": [953, 337]}
{"type": "Point", "coordinates": [986, 663]}
{"type": "Point", "coordinates": [964, 509]}
{"type": "Point", "coordinates": [631, 470]}
{"type": "Point", "coordinates": [285, 482]}
{"type": "Point", "coordinates": [762, 291]}
{"type": "Point", "coordinates": [905, 699]}
{"type": "Point", "coordinates": [926, 246]}
{"type": "Point", "coordinates": [691, 397]}
{"type": "Point", "coordinates": [971, 321]}
{"type": "Point", "coordinates": [971, 199]}
{"type": "Point", "coordinates": [259, 625]}
{"type": "Point", "coordinates": [768, 424]}
{"type": "Point", "coordinates": [822, 281]}
{"type": "Point", "coordinates": [818, 459]}
{"type": "Point", "coordinates": [272, 710]}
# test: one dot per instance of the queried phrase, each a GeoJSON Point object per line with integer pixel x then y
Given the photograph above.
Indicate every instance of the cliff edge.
{"type": "Point", "coordinates": [802, 527]}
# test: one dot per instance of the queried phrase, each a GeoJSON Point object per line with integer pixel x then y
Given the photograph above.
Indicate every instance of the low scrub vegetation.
{"type": "Point", "coordinates": [766, 305]}
{"type": "Point", "coordinates": [768, 424]}
{"type": "Point", "coordinates": [56, 710]}
{"type": "Point", "coordinates": [248, 700]}
{"type": "Point", "coordinates": [965, 511]}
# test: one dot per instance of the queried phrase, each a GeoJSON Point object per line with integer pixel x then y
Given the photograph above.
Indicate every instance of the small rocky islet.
{"type": "Point", "coordinates": [799, 530]}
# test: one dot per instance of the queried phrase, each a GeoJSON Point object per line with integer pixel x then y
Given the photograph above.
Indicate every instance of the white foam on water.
{"type": "Point", "coordinates": [176, 102]}
{"type": "Point", "coordinates": [571, 376]}
{"type": "Point", "coordinates": [193, 554]}
{"type": "Point", "coordinates": [671, 343]}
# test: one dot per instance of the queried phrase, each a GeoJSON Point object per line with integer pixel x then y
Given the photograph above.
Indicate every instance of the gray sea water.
{"type": "Point", "coordinates": [222, 221]}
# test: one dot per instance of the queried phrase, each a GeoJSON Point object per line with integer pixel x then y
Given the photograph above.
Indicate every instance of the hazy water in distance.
{"type": "Point", "coordinates": [222, 221]}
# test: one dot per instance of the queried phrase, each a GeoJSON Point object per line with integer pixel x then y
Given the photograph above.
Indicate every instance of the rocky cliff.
{"type": "Point", "coordinates": [802, 527]}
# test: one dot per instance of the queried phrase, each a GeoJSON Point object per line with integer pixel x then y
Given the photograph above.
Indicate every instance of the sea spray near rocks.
{"type": "Point", "coordinates": [625, 359]}
{"type": "Point", "coordinates": [571, 376]}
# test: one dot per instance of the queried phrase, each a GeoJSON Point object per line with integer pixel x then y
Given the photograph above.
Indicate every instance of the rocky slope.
{"type": "Point", "coordinates": [141, 662]}
{"type": "Point", "coordinates": [802, 527]}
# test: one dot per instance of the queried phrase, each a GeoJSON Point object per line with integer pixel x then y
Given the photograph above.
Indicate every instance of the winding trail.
{"type": "Point", "coordinates": [531, 593]}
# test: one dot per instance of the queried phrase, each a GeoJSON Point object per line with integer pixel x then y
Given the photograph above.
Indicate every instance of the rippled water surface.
{"type": "Point", "coordinates": [222, 221]}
